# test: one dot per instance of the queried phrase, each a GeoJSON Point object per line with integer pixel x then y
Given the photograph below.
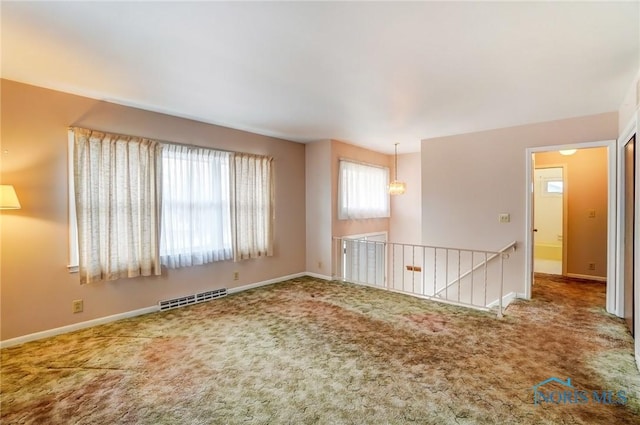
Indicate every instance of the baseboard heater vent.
{"type": "Point", "coordinates": [192, 299]}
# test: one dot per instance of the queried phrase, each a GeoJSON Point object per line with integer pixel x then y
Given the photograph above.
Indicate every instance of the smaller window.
{"type": "Point", "coordinates": [554, 186]}
{"type": "Point", "coordinates": [362, 191]}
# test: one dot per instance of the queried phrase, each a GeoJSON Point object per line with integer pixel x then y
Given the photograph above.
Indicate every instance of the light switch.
{"type": "Point", "coordinates": [504, 217]}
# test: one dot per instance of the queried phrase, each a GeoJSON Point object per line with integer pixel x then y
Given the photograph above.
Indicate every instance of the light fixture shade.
{"type": "Point", "coordinates": [397, 188]}
{"type": "Point", "coordinates": [8, 198]}
{"type": "Point", "coordinates": [567, 152]}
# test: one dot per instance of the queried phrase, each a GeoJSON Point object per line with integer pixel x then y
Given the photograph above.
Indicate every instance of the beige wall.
{"type": "Point", "coordinates": [36, 289]}
{"type": "Point", "coordinates": [467, 180]}
{"type": "Point", "coordinates": [406, 210]}
{"type": "Point", "coordinates": [630, 104]}
{"type": "Point", "coordinates": [318, 207]}
{"type": "Point", "coordinates": [586, 189]}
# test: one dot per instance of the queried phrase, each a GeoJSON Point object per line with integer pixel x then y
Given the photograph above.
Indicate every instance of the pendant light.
{"type": "Point", "coordinates": [397, 187]}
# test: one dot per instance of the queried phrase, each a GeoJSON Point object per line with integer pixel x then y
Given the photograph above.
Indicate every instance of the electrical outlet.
{"type": "Point", "coordinates": [320, 265]}
{"type": "Point", "coordinates": [592, 266]}
{"type": "Point", "coordinates": [236, 275]}
{"type": "Point", "coordinates": [504, 217]}
{"type": "Point", "coordinates": [591, 213]}
{"type": "Point", "coordinates": [77, 306]}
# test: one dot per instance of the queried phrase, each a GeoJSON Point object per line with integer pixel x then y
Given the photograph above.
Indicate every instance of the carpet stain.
{"type": "Point", "coordinates": [432, 322]}
{"type": "Point", "coordinates": [308, 351]}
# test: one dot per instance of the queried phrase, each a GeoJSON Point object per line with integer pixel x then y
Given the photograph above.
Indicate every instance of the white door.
{"type": "Point", "coordinates": [548, 203]}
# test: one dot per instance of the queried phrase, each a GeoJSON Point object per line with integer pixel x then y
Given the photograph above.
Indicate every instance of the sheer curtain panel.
{"type": "Point", "coordinates": [252, 206]}
{"type": "Point", "coordinates": [362, 191]}
{"type": "Point", "coordinates": [117, 204]}
{"type": "Point", "coordinates": [196, 209]}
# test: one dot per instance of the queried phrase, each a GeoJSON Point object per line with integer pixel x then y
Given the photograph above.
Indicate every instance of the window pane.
{"type": "Point", "coordinates": [554, 186]}
{"type": "Point", "coordinates": [196, 217]}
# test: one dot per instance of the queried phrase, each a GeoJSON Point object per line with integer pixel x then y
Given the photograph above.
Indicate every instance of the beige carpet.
{"type": "Point", "coordinates": [314, 352]}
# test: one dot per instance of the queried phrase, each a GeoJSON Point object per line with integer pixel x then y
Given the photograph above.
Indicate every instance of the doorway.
{"type": "Point", "coordinates": [598, 269]}
{"type": "Point", "coordinates": [549, 219]}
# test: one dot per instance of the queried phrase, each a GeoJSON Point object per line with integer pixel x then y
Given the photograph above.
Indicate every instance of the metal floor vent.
{"type": "Point", "coordinates": [192, 299]}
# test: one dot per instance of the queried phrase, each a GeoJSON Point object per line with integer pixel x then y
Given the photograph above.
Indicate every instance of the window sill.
{"type": "Point", "coordinates": [73, 269]}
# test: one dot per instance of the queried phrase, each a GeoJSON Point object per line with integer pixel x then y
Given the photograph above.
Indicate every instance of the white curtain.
{"type": "Point", "coordinates": [117, 204]}
{"type": "Point", "coordinates": [196, 209]}
{"type": "Point", "coordinates": [362, 191]}
{"type": "Point", "coordinates": [252, 206]}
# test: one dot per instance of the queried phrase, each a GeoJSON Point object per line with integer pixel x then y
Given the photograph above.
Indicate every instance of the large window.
{"type": "Point", "coordinates": [137, 203]}
{"type": "Point", "coordinates": [362, 191]}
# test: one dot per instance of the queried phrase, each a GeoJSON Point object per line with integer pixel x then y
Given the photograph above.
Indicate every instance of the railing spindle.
{"type": "Point", "coordinates": [485, 279]}
{"type": "Point", "coordinates": [349, 265]}
{"type": "Point", "coordinates": [435, 267]}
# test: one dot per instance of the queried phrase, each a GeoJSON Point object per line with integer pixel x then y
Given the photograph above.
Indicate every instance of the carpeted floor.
{"type": "Point", "coordinates": [313, 352]}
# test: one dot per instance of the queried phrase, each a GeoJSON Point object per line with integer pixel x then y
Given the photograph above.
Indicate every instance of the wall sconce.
{"type": "Point", "coordinates": [397, 187]}
{"type": "Point", "coordinates": [8, 198]}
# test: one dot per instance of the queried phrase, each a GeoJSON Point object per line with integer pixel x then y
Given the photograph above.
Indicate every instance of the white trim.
{"type": "Point", "coordinates": [637, 247]}
{"type": "Point", "coordinates": [77, 326]}
{"type": "Point", "coordinates": [318, 276]}
{"type": "Point", "coordinates": [128, 314]}
{"type": "Point", "coordinates": [506, 300]}
{"type": "Point", "coordinates": [367, 235]}
{"type": "Point", "coordinates": [612, 216]}
{"type": "Point", "coordinates": [264, 283]}
{"type": "Point", "coordinates": [587, 277]}
{"type": "Point", "coordinates": [624, 137]}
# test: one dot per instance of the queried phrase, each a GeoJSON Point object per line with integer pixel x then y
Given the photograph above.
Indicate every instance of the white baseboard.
{"type": "Point", "coordinates": [107, 319]}
{"type": "Point", "coordinates": [587, 277]}
{"type": "Point", "coordinates": [265, 283]}
{"type": "Point", "coordinates": [506, 300]}
{"type": "Point", "coordinates": [319, 276]}
{"type": "Point", "coordinates": [77, 326]}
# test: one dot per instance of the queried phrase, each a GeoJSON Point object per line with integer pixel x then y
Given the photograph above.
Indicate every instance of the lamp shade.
{"type": "Point", "coordinates": [8, 198]}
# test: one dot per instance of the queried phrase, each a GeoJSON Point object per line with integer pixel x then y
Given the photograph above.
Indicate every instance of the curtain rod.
{"type": "Point", "coordinates": [355, 161]}
{"type": "Point", "coordinates": [166, 142]}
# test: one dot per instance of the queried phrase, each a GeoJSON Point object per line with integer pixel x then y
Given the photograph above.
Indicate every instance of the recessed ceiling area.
{"type": "Point", "coordinates": [371, 74]}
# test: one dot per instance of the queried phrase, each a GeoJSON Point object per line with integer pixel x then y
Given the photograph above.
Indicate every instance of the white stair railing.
{"type": "Point", "coordinates": [470, 278]}
{"type": "Point", "coordinates": [510, 247]}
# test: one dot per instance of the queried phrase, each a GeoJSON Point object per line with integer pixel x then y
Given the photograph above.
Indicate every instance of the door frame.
{"type": "Point", "coordinates": [613, 284]}
{"type": "Point", "coordinates": [633, 127]}
{"type": "Point", "coordinates": [565, 209]}
{"type": "Point", "coordinates": [624, 138]}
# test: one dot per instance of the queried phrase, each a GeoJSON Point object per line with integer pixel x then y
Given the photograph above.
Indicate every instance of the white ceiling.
{"type": "Point", "coordinates": [367, 73]}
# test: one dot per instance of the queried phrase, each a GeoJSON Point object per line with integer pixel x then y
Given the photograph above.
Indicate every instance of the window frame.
{"type": "Point", "coordinates": [363, 212]}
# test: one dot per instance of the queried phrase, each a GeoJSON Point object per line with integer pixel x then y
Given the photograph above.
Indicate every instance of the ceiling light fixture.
{"type": "Point", "coordinates": [397, 187]}
{"type": "Point", "coordinates": [567, 152]}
